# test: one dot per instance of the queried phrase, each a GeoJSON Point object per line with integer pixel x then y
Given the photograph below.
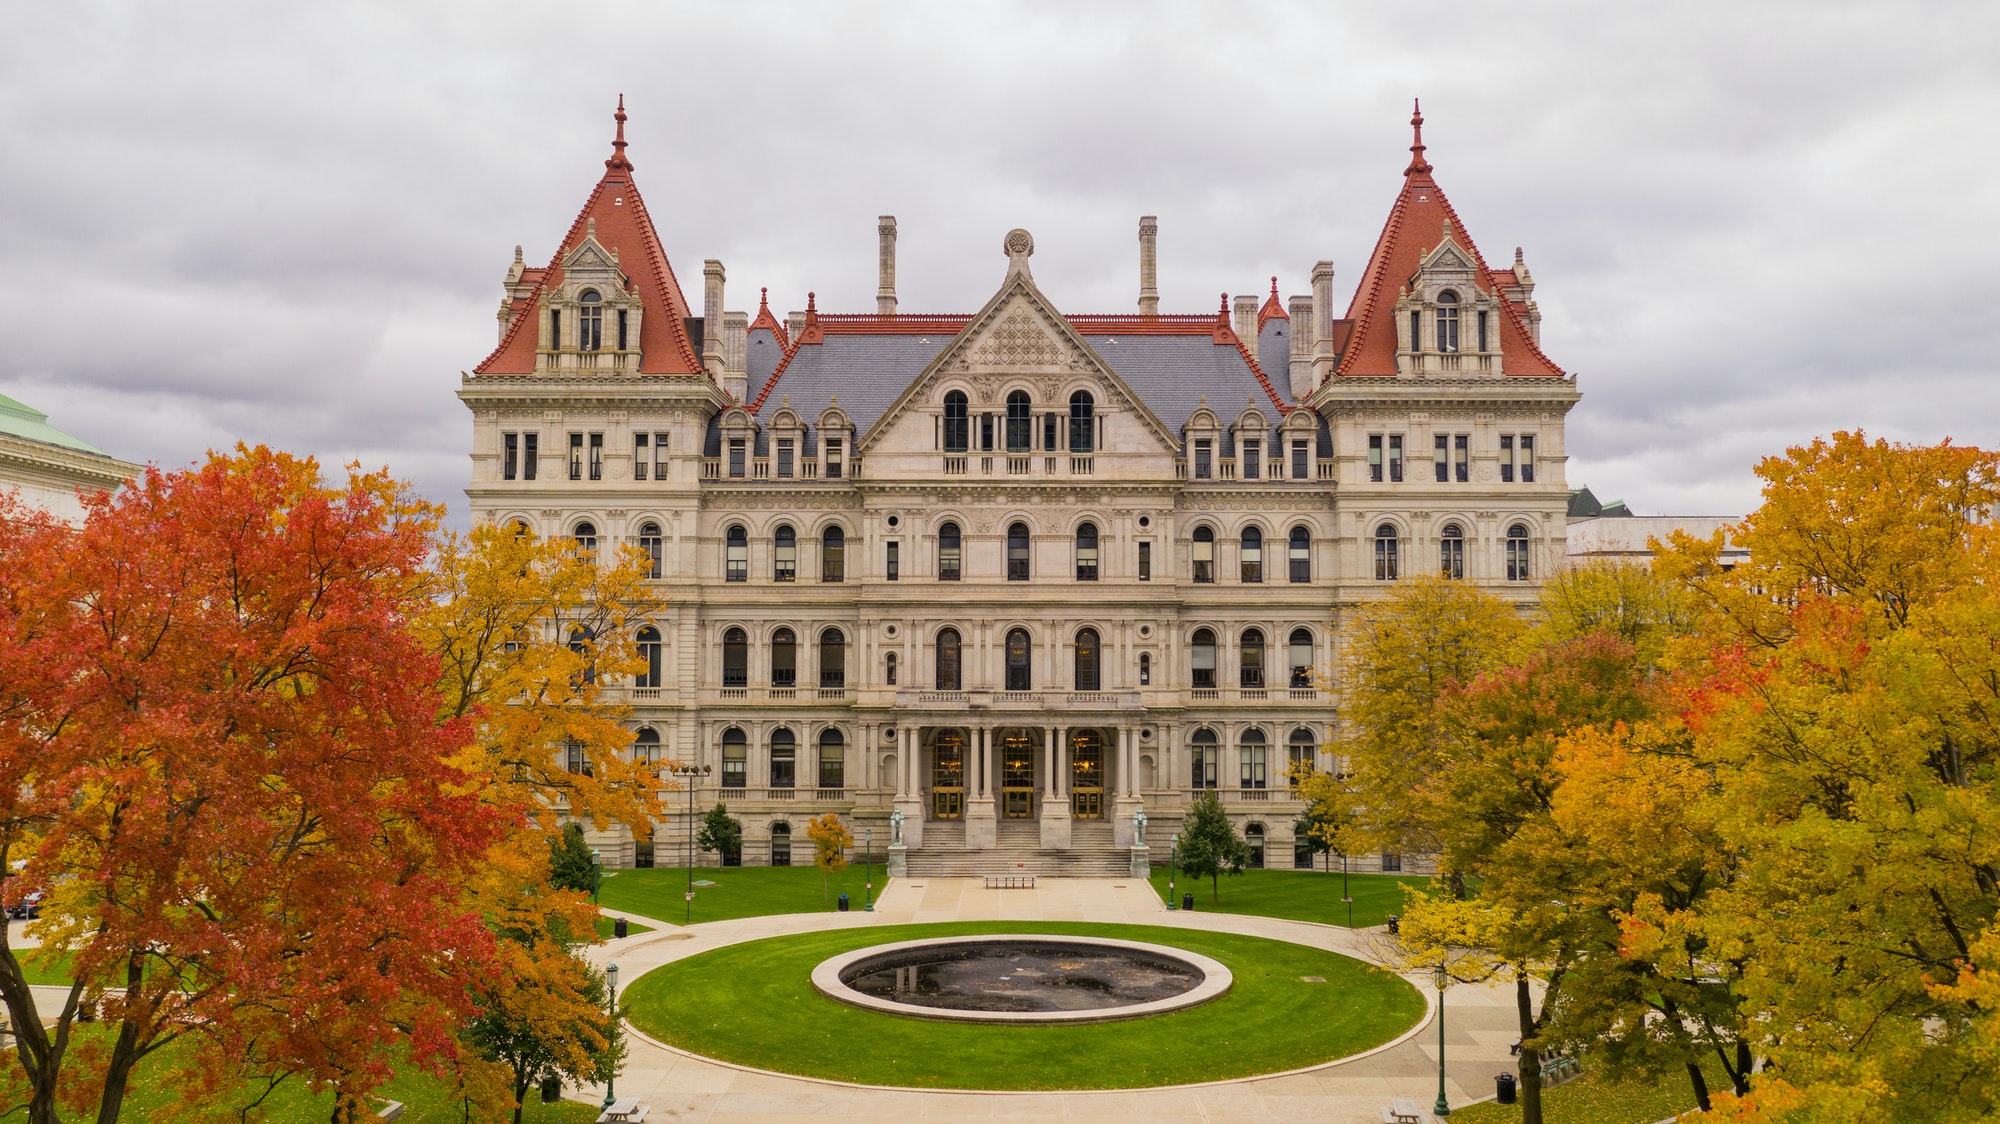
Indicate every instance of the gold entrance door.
{"type": "Point", "coordinates": [1017, 775]}
{"type": "Point", "coordinates": [948, 775]}
{"type": "Point", "coordinates": [1086, 762]}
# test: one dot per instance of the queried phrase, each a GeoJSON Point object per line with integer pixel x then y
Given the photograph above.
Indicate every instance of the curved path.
{"type": "Point", "coordinates": [1479, 1025]}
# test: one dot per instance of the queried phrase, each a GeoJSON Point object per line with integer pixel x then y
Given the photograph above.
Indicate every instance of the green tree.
{"type": "Point", "coordinates": [1210, 845]}
{"type": "Point", "coordinates": [551, 1022]}
{"type": "Point", "coordinates": [830, 840]}
{"type": "Point", "coordinates": [1647, 610]}
{"type": "Point", "coordinates": [572, 866]}
{"type": "Point", "coordinates": [720, 832]}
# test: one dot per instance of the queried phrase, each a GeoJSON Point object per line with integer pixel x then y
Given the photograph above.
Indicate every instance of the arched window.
{"type": "Point", "coordinates": [1018, 664]}
{"type": "Point", "coordinates": [1202, 660]}
{"type": "Point", "coordinates": [1250, 752]}
{"type": "Point", "coordinates": [736, 554]}
{"type": "Point", "coordinates": [1203, 554]}
{"type": "Point", "coordinates": [781, 844]}
{"type": "Point", "coordinates": [785, 555]}
{"type": "Point", "coordinates": [832, 658]}
{"type": "Point", "coordinates": [1253, 836]}
{"type": "Point", "coordinates": [1017, 552]}
{"type": "Point", "coordinates": [1082, 423]}
{"type": "Point", "coordinates": [1517, 553]}
{"type": "Point", "coordinates": [1447, 322]}
{"type": "Point", "coordinates": [784, 759]}
{"type": "Point", "coordinates": [586, 539]}
{"type": "Point", "coordinates": [1202, 753]}
{"type": "Point", "coordinates": [581, 641]}
{"type": "Point", "coordinates": [646, 747]}
{"type": "Point", "coordinates": [1301, 660]}
{"type": "Point", "coordinates": [590, 321]}
{"type": "Point", "coordinates": [1300, 551]}
{"type": "Point", "coordinates": [957, 428]}
{"type": "Point", "coordinates": [522, 530]}
{"type": "Point", "coordinates": [948, 570]}
{"type": "Point", "coordinates": [1020, 424]}
{"type": "Point", "coordinates": [889, 669]}
{"type": "Point", "coordinates": [1145, 669]}
{"type": "Point", "coordinates": [735, 658]}
{"type": "Point", "coordinates": [833, 555]}
{"type": "Point", "coordinates": [1451, 551]}
{"type": "Point", "coordinates": [734, 758]}
{"type": "Point", "coordinates": [1087, 677]}
{"type": "Point", "coordinates": [832, 759]}
{"type": "Point", "coordinates": [1250, 664]}
{"type": "Point", "coordinates": [1086, 552]}
{"type": "Point", "coordinates": [1302, 750]}
{"type": "Point", "coordinates": [1385, 553]}
{"type": "Point", "coordinates": [784, 659]}
{"type": "Point", "coordinates": [652, 542]}
{"type": "Point", "coordinates": [948, 661]}
{"type": "Point", "coordinates": [1253, 555]}
{"type": "Point", "coordinates": [649, 654]}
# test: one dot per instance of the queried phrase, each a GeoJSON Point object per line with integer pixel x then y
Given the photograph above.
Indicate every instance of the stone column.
{"type": "Point", "coordinates": [1126, 802]}
{"type": "Point", "coordinates": [1149, 257]}
{"type": "Point", "coordinates": [909, 791]}
{"type": "Point", "coordinates": [981, 829]}
{"type": "Point", "coordinates": [1055, 804]}
{"type": "Point", "coordinates": [885, 263]}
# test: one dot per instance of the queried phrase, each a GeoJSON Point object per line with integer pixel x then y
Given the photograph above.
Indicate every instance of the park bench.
{"type": "Point", "coordinates": [1010, 881]}
{"type": "Point", "coordinates": [1400, 1111]}
{"type": "Point", "coordinates": [624, 1110]}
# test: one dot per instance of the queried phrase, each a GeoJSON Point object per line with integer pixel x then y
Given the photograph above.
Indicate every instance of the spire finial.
{"type": "Point", "coordinates": [618, 163]}
{"type": "Point", "coordinates": [1274, 288]}
{"type": "Point", "coordinates": [1418, 165]}
{"type": "Point", "coordinates": [764, 299]}
{"type": "Point", "coordinates": [1222, 316]}
{"type": "Point", "coordinates": [812, 308]}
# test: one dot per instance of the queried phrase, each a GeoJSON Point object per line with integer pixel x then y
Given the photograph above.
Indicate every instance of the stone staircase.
{"type": "Point", "coordinates": [1018, 850]}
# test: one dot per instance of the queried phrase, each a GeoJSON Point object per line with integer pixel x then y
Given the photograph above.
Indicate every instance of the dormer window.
{"type": "Point", "coordinates": [590, 321]}
{"type": "Point", "coordinates": [1447, 322]}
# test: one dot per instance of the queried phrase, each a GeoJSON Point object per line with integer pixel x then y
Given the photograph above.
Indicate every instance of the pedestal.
{"type": "Point", "coordinates": [1121, 821]}
{"type": "Point", "coordinates": [899, 861]}
{"type": "Point", "coordinates": [913, 822]}
{"type": "Point", "coordinates": [1142, 861]}
{"type": "Point", "coordinates": [1055, 825]}
{"type": "Point", "coordinates": [981, 828]}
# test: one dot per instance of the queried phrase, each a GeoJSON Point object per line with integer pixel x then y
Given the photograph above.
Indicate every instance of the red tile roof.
{"type": "Point", "coordinates": [622, 225]}
{"type": "Point", "coordinates": [1416, 223]}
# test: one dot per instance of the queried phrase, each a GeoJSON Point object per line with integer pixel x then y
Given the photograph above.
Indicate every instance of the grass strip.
{"type": "Point", "coordinates": [1296, 895]}
{"type": "Point", "coordinates": [737, 891]}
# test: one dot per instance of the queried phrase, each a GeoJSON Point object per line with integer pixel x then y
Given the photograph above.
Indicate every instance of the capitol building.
{"type": "Point", "coordinates": [1016, 573]}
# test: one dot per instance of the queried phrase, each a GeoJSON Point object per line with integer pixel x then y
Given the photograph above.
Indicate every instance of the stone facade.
{"type": "Point", "coordinates": [43, 467]}
{"type": "Point", "coordinates": [1021, 573]}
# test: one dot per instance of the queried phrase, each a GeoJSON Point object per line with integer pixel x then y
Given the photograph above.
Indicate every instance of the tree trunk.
{"type": "Point", "coordinates": [118, 1075]}
{"type": "Point", "coordinates": [1531, 1058]}
{"type": "Point", "coordinates": [1458, 885]}
{"type": "Point", "coordinates": [520, 1097]}
{"type": "Point", "coordinates": [1741, 1078]}
{"type": "Point", "coordinates": [1700, 1084]}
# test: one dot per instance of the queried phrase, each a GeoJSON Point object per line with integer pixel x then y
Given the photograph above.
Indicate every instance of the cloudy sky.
{"type": "Point", "coordinates": [287, 223]}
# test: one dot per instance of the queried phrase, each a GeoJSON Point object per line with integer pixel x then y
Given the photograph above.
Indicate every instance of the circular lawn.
{"type": "Point", "coordinates": [754, 1004]}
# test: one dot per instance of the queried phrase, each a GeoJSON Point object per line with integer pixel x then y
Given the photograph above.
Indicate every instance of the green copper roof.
{"type": "Point", "coordinates": [18, 420]}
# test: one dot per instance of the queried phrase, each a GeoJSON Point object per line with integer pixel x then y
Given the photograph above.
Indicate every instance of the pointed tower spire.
{"type": "Point", "coordinates": [618, 163]}
{"type": "Point", "coordinates": [1418, 165]}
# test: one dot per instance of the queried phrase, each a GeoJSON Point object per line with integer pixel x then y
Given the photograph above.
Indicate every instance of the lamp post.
{"type": "Point", "coordinates": [1441, 1108]}
{"type": "Point", "coordinates": [1344, 894]}
{"type": "Point", "coordinates": [611, 990]}
{"type": "Point", "coordinates": [596, 874]}
{"type": "Point", "coordinates": [1173, 867]}
{"type": "Point", "coordinates": [868, 870]}
{"type": "Point", "coordinates": [687, 772]}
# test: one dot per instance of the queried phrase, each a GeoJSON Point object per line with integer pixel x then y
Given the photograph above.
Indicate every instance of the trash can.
{"type": "Point", "coordinates": [1395, 924]}
{"type": "Point", "coordinates": [1187, 902]}
{"type": "Point", "coordinates": [1503, 1088]}
{"type": "Point", "coordinates": [551, 1090]}
{"type": "Point", "coordinates": [620, 927]}
{"type": "Point", "coordinates": [843, 903]}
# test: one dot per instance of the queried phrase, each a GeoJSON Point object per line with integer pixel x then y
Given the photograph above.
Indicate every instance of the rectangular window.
{"type": "Point", "coordinates": [1395, 458]}
{"type": "Point", "coordinates": [659, 456]}
{"type": "Point", "coordinates": [597, 456]}
{"type": "Point", "coordinates": [1461, 448]}
{"type": "Point", "coordinates": [783, 759]}
{"type": "Point", "coordinates": [736, 456]}
{"type": "Point", "coordinates": [893, 567]}
{"type": "Point", "coordinates": [531, 454]}
{"type": "Point", "coordinates": [573, 759]}
{"type": "Point", "coordinates": [621, 329]}
{"type": "Point", "coordinates": [833, 763]}
{"type": "Point", "coordinates": [510, 455]}
{"type": "Point", "coordinates": [1506, 458]}
{"type": "Point", "coordinates": [1145, 561]}
{"type": "Point", "coordinates": [1252, 459]}
{"type": "Point", "coordinates": [1203, 759]}
{"type": "Point", "coordinates": [1416, 331]}
{"type": "Point", "coordinates": [1482, 331]}
{"type": "Point", "coordinates": [1086, 559]}
{"type": "Point", "coordinates": [576, 456]}
{"type": "Point", "coordinates": [1299, 460]}
{"type": "Point", "coordinates": [1051, 431]}
{"type": "Point", "coordinates": [1392, 862]}
{"type": "Point", "coordinates": [1527, 458]}
{"type": "Point", "coordinates": [555, 330]}
{"type": "Point", "coordinates": [641, 454]}
{"type": "Point", "coordinates": [831, 459]}
{"type": "Point", "coordinates": [1441, 451]}
{"type": "Point", "coordinates": [889, 671]}
{"type": "Point", "coordinates": [833, 557]}
{"type": "Point", "coordinates": [1201, 459]}
{"type": "Point", "coordinates": [1375, 458]}
{"type": "Point", "coordinates": [784, 457]}
{"type": "Point", "coordinates": [733, 772]}
{"type": "Point", "coordinates": [948, 562]}
{"type": "Point", "coordinates": [986, 433]}
{"type": "Point", "coordinates": [1253, 773]}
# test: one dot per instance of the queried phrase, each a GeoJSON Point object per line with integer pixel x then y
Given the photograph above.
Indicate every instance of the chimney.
{"type": "Point", "coordinates": [1322, 321]}
{"type": "Point", "coordinates": [1301, 309]}
{"type": "Point", "coordinates": [1246, 322]}
{"type": "Point", "coordinates": [712, 361]}
{"type": "Point", "coordinates": [1149, 262]}
{"type": "Point", "coordinates": [885, 264]}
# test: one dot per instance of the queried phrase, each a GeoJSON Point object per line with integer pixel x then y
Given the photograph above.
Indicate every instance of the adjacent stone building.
{"type": "Point", "coordinates": [1020, 572]}
{"type": "Point", "coordinates": [46, 468]}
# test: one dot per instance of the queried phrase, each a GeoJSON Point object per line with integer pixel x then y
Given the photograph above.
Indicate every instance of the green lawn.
{"type": "Point", "coordinates": [1591, 1100]}
{"type": "Point", "coordinates": [1298, 895]}
{"type": "Point", "coordinates": [739, 891]}
{"type": "Point", "coordinates": [754, 1004]}
{"type": "Point", "coordinates": [56, 974]}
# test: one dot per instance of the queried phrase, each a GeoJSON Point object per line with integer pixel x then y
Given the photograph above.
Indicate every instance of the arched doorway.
{"type": "Point", "coordinates": [948, 774]}
{"type": "Point", "coordinates": [781, 844]}
{"type": "Point", "coordinates": [1086, 762]}
{"type": "Point", "coordinates": [1254, 835]}
{"type": "Point", "coordinates": [1017, 773]}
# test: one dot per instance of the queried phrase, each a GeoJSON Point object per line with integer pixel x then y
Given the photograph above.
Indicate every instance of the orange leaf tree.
{"type": "Point", "coordinates": [226, 767]}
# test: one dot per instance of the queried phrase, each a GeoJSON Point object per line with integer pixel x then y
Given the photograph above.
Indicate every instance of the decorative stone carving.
{"type": "Point", "coordinates": [1018, 341]}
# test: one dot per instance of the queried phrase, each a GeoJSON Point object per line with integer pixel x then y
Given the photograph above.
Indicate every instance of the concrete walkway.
{"type": "Point", "coordinates": [1479, 1025]}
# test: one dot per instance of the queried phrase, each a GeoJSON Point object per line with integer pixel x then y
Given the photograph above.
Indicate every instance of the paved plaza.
{"type": "Point", "coordinates": [1479, 1026]}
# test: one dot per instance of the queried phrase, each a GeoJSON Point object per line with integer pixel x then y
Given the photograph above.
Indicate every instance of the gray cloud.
{"type": "Point", "coordinates": [1750, 223]}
